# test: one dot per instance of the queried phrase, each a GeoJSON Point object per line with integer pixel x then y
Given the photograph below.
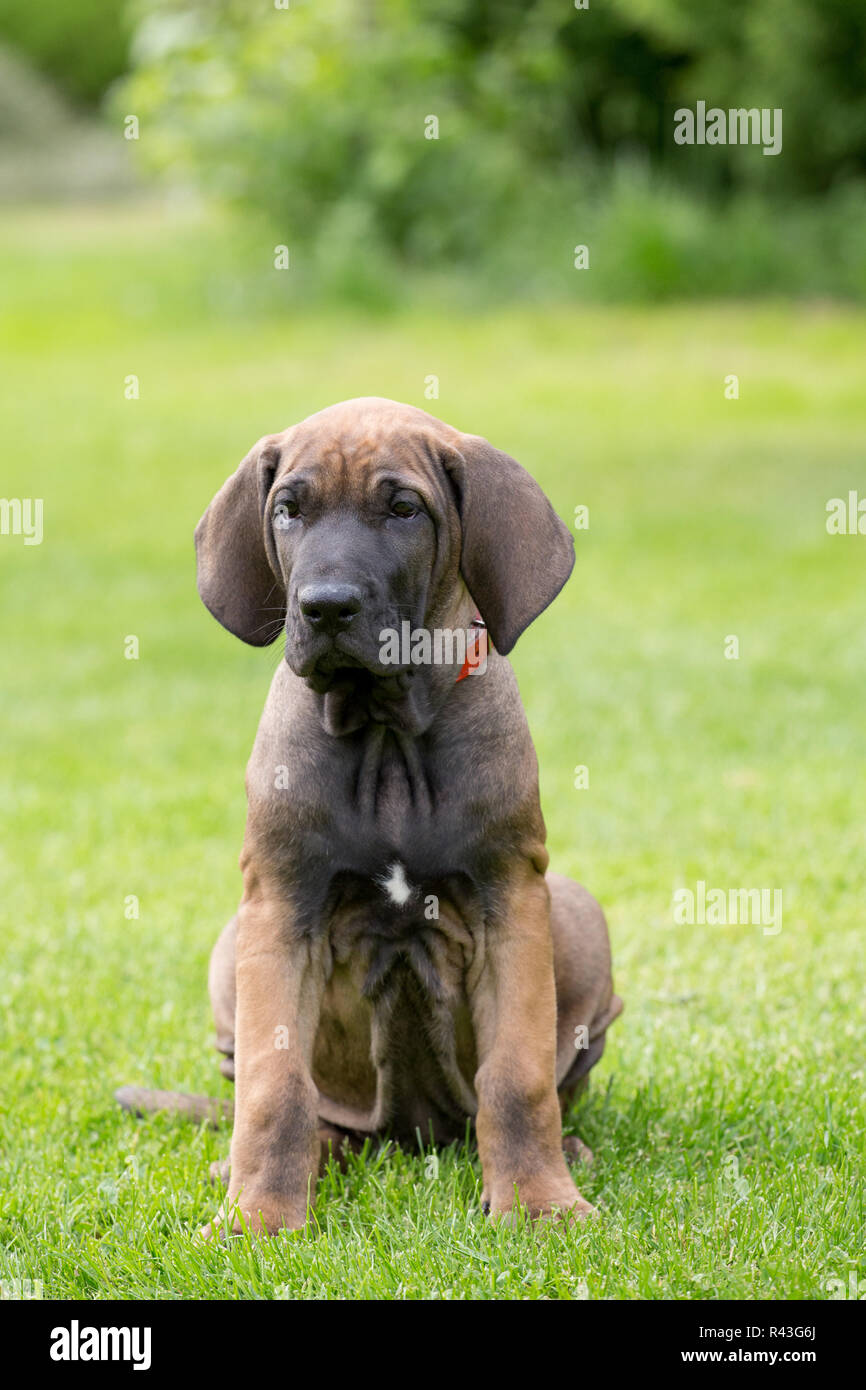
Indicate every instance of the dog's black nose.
{"type": "Point", "coordinates": [329, 607]}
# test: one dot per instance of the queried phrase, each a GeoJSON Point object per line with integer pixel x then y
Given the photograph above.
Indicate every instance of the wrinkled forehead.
{"type": "Point", "coordinates": [345, 453]}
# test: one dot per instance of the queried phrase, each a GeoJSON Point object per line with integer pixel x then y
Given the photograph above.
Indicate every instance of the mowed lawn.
{"type": "Point", "coordinates": [727, 1113]}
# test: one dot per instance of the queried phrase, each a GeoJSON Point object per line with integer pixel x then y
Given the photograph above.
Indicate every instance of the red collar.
{"type": "Point", "coordinates": [479, 646]}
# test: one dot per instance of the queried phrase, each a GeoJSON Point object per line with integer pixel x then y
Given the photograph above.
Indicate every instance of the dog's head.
{"type": "Point", "coordinates": [367, 515]}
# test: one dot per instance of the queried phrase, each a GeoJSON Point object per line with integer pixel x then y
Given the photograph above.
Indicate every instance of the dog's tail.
{"type": "Point", "coordinates": [199, 1109]}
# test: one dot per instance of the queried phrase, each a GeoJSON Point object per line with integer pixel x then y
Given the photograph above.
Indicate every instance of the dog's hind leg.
{"type": "Point", "coordinates": [585, 1002]}
{"type": "Point", "coordinates": [223, 994]}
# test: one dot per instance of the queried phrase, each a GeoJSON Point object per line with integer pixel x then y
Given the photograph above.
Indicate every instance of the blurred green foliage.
{"type": "Point", "coordinates": [555, 128]}
{"type": "Point", "coordinates": [554, 124]}
{"type": "Point", "coordinates": [82, 46]}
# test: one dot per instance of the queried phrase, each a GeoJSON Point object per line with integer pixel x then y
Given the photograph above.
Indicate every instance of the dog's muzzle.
{"type": "Point", "coordinates": [329, 608]}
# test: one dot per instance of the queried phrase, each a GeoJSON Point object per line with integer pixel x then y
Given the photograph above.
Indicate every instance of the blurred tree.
{"type": "Point", "coordinates": [82, 45]}
{"type": "Point", "coordinates": [806, 56]}
{"type": "Point", "coordinates": [317, 115]}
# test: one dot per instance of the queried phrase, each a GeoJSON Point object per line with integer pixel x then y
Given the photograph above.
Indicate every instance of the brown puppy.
{"type": "Point", "coordinates": [401, 959]}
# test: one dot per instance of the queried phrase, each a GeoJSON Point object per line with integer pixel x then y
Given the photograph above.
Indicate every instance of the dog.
{"type": "Point", "coordinates": [401, 961]}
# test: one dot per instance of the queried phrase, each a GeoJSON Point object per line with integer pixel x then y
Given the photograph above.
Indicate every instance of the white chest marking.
{"type": "Point", "coordinates": [396, 885]}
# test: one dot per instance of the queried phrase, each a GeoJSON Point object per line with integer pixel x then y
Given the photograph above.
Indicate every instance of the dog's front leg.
{"type": "Point", "coordinates": [275, 1145]}
{"type": "Point", "coordinates": [518, 1124]}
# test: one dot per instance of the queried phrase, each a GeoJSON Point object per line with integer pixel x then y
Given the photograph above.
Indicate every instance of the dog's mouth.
{"type": "Point", "coordinates": [359, 682]}
{"type": "Point", "coordinates": [355, 693]}
{"type": "Point", "coordinates": [357, 688]}
{"type": "Point", "coordinates": [339, 667]}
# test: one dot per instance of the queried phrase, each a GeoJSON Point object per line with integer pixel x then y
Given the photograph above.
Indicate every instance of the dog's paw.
{"type": "Point", "coordinates": [551, 1210]}
{"type": "Point", "coordinates": [557, 1201]}
{"type": "Point", "coordinates": [576, 1151]}
{"type": "Point", "coordinates": [219, 1172]}
{"type": "Point", "coordinates": [214, 1231]}
{"type": "Point", "coordinates": [249, 1216]}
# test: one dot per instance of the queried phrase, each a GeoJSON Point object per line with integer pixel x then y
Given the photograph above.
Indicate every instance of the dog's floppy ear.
{"type": "Point", "coordinates": [516, 553]}
{"type": "Point", "coordinates": [235, 579]}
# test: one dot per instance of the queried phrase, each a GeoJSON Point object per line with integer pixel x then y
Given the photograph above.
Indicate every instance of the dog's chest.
{"type": "Point", "coordinates": [393, 836]}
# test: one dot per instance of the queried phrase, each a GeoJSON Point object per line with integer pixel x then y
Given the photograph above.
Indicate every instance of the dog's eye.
{"type": "Point", "coordinates": [403, 508]}
{"type": "Point", "coordinates": [284, 512]}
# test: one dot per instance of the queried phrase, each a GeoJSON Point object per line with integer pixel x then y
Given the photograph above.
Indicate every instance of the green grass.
{"type": "Point", "coordinates": [126, 777]}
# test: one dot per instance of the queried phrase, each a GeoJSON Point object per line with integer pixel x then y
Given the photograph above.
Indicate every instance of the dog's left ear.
{"type": "Point", "coordinates": [236, 580]}
{"type": "Point", "coordinates": [516, 553]}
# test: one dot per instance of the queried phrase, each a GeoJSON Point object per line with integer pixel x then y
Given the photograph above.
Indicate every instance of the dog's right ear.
{"type": "Point", "coordinates": [235, 578]}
